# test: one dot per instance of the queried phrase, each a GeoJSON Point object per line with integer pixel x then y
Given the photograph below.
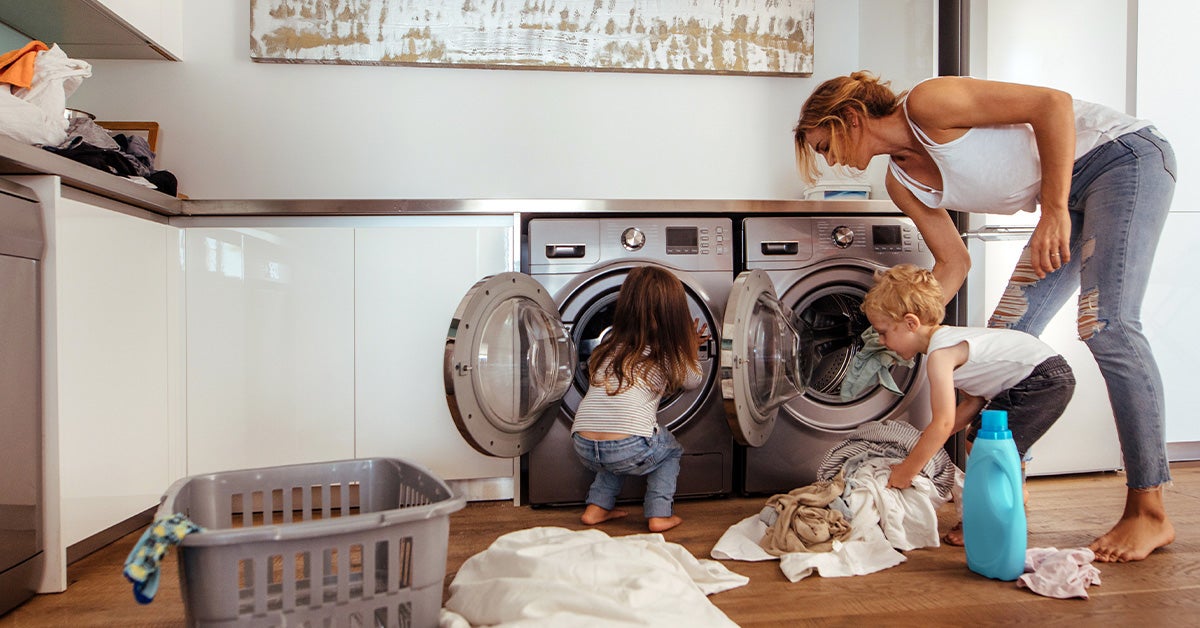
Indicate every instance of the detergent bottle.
{"type": "Point", "coordinates": [994, 528]}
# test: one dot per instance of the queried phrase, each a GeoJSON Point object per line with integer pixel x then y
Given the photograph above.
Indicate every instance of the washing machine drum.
{"type": "Point", "coordinates": [589, 313]}
{"type": "Point", "coordinates": [831, 310]}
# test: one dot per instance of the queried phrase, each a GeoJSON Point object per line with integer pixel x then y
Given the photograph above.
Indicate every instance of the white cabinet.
{"type": "Point", "coordinates": [410, 274]}
{"type": "Point", "coordinates": [112, 367]}
{"type": "Point", "coordinates": [161, 21]}
{"type": "Point", "coordinates": [322, 338]}
{"type": "Point", "coordinates": [102, 29]}
{"type": "Point", "coordinates": [1168, 316]}
{"type": "Point", "coordinates": [270, 337]}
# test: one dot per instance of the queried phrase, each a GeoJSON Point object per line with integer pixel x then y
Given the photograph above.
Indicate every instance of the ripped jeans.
{"type": "Point", "coordinates": [1120, 194]}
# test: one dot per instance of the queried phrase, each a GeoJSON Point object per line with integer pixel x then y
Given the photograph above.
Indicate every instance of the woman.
{"type": "Point", "coordinates": [1104, 181]}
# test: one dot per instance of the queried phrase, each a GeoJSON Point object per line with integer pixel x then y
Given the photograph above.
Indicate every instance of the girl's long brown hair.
{"type": "Point", "coordinates": [652, 312]}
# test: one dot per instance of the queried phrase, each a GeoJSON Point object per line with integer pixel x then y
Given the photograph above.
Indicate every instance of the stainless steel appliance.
{"type": "Point", "coordinates": [821, 267]}
{"type": "Point", "coordinates": [22, 241]}
{"type": "Point", "coordinates": [517, 352]}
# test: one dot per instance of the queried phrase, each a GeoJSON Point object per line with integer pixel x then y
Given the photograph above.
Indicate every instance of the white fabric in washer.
{"type": "Point", "coordinates": [550, 576]}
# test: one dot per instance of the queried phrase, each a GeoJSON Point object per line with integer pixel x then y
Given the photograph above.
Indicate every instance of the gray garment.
{"type": "Point", "coordinates": [872, 363]}
{"type": "Point", "coordinates": [886, 439]}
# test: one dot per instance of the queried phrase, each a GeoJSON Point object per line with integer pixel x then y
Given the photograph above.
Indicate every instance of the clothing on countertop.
{"type": "Point", "coordinates": [141, 567]}
{"type": "Point", "coordinates": [16, 66]}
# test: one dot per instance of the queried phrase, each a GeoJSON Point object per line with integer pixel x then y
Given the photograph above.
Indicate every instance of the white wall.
{"type": "Point", "coordinates": [231, 128]}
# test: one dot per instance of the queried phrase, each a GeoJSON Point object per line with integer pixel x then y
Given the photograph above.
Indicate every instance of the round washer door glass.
{"type": "Point", "coordinates": [762, 365]}
{"type": "Point", "coordinates": [507, 363]}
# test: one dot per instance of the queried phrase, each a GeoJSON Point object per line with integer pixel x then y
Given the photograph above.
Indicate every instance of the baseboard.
{"type": "Point", "coordinates": [106, 537]}
{"type": "Point", "coordinates": [1179, 452]}
{"type": "Point", "coordinates": [483, 489]}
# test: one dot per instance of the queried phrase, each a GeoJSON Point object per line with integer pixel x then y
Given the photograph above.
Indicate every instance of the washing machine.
{"type": "Point", "coordinates": [516, 354]}
{"type": "Point", "coordinates": [818, 268]}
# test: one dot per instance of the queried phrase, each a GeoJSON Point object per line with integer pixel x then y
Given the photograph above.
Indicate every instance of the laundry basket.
{"type": "Point", "coordinates": [347, 543]}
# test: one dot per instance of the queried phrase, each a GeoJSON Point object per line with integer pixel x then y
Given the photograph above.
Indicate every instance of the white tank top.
{"type": "Point", "coordinates": [996, 169]}
{"type": "Point", "coordinates": [997, 359]}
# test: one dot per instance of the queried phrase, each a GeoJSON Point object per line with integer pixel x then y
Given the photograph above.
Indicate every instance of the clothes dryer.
{"type": "Point", "coordinates": [516, 355]}
{"type": "Point", "coordinates": [821, 267]}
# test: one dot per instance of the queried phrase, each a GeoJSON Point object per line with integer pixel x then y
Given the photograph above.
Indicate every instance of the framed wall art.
{"type": "Point", "coordinates": [771, 37]}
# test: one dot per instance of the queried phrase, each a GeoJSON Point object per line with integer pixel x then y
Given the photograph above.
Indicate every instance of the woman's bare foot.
{"type": "Point", "coordinates": [1143, 528]}
{"type": "Point", "coordinates": [594, 514]}
{"type": "Point", "coordinates": [662, 524]}
{"type": "Point", "coordinates": [954, 536]}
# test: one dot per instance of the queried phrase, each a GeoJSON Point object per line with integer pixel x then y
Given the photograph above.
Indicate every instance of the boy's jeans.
{"type": "Point", "coordinates": [1034, 403]}
{"type": "Point", "coordinates": [656, 457]}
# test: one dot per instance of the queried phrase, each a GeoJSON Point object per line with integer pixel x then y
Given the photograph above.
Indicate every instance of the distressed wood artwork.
{"type": "Point", "coordinates": [773, 37]}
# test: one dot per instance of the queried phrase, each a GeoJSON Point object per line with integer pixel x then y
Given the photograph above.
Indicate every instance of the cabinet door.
{"type": "Point", "coordinates": [108, 345]}
{"type": "Point", "coordinates": [410, 274]}
{"type": "Point", "coordinates": [161, 21]}
{"type": "Point", "coordinates": [1168, 316]}
{"type": "Point", "coordinates": [270, 346]}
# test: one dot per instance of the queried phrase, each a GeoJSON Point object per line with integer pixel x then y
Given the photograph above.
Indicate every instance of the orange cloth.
{"type": "Point", "coordinates": [16, 66]}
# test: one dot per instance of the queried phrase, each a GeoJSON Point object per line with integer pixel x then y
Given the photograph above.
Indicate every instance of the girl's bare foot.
{"type": "Point", "coordinates": [954, 536]}
{"type": "Point", "coordinates": [662, 524]}
{"type": "Point", "coordinates": [594, 514]}
{"type": "Point", "coordinates": [1143, 528]}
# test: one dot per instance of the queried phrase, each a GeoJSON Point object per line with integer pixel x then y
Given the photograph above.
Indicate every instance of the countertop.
{"type": "Point", "coordinates": [22, 159]}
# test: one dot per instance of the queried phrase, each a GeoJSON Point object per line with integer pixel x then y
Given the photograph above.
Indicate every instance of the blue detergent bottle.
{"type": "Point", "coordinates": [994, 527]}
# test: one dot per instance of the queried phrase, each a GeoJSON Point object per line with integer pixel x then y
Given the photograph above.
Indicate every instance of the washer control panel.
{"type": "Point", "coordinates": [877, 236]}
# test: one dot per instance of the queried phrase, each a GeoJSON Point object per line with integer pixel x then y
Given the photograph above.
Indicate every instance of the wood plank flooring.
{"type": "Point", "coordinates": [932, 588]}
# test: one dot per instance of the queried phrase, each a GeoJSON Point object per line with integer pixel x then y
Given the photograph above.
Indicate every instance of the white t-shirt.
{"type": "Point", "coordinates": [997, 359]}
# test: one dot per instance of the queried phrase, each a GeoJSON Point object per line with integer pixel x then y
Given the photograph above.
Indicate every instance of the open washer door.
{"type": "Point", "coordinates": [507, 364]}
{"type": "Point", "coordinates": [764, 358]}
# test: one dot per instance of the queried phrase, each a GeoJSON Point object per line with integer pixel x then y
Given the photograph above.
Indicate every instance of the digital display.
{"type": "Point", "coordinates": [886, 235]}
{"type": "Point", "coordinates": [683, 240]}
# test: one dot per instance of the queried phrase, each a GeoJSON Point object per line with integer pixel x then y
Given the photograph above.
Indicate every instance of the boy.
{"type": "Point", "coordinates": [998, 369]}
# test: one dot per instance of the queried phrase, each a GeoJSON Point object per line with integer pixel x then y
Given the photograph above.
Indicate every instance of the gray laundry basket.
{"type": "Point", "coordinates": [346, 543]}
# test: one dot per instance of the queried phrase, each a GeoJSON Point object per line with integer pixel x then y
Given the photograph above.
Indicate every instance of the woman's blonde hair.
{"type": "Point", "coordinates": [905, 289]}
{"type": "Point", "coordinates": [829, 106]}
{"type": "Point", "coordinates": [652, 329]}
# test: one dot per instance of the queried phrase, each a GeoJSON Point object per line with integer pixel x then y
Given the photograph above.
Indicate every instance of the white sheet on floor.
{"type": "Point", "coordinates": [550, 576]}
{"type": "Point", "coordinates": [884, 520]}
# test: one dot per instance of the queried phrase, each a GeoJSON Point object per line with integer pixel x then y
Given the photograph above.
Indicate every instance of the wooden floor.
{"type": "Point", "coordinates": [932, 588]}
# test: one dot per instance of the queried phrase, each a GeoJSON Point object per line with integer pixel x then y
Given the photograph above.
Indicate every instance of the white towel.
{"type": "Point", "coordinates": [550, 576]}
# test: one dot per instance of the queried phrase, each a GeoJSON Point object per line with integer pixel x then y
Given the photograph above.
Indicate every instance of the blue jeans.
{"type": "Point", "coordinates": [1120, 195]}
{"type": "Point", "coordinates": [656, 457]}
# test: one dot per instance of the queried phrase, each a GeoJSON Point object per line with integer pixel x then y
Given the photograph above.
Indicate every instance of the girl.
{"type": "Point", "coordinates": [651, 350]}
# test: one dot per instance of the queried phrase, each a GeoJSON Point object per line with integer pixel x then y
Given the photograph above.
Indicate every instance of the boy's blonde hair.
{"type": "Point", "coordinates": [905, 289]}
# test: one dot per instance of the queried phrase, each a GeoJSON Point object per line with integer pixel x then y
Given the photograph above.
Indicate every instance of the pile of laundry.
{"type": "Point", "coordinates": [35, 81]}
{"type": "Point", "coordinates": [849, 523]}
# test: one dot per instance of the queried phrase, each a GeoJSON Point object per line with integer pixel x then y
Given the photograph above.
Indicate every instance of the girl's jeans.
{"type": "Point", "coordinates": [1120, 194]}
{"type": "Point", "coordinates": [656, 457]}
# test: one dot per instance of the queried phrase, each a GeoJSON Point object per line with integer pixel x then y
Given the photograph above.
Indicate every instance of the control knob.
{"type": "Point", "coordinates": [843, 237]}
{"type": "Point", "coordinates": [633, 239]}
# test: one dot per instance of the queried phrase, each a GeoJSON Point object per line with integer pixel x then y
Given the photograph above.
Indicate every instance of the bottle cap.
{"type": "Point", "coordinates": [994, 425]}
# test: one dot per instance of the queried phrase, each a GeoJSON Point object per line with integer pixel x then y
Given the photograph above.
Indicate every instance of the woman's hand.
{"type": "Point", "coordinates": [1050, 244]}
